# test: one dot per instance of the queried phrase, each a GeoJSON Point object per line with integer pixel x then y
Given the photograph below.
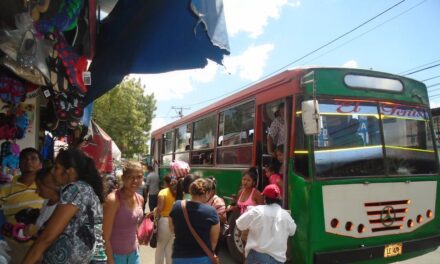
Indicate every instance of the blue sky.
{"type": "Point", "coordinates": [265, 35]}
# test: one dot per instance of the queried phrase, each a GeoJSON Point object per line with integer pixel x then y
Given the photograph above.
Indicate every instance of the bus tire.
{"type": "Point", "coordinates": [234, 242]}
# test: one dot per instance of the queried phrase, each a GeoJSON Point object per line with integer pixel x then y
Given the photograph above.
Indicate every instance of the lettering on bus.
{"type": "Point", "coordinates": [386, 109]}
{"type": "Point", "coordinates": [348, 107]}
{"type": "Point", "coordinates": [396, 110]}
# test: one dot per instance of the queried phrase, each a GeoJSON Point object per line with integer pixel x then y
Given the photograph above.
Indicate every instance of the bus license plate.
{"type": "Point", "coordinates": [393, 250]}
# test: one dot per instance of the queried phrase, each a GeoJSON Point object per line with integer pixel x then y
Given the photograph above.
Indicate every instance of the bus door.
{"type": "Point", "coordinates": [273, 148]}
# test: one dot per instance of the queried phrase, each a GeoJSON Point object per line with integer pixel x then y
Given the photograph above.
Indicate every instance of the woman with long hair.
{"type": "Point", "coordinates": [182, 191]}
{"type": "Point", "coordinates": [74, 231]}
{"type": "Point", "coordinates": [122, 214]}
{"type": "Point", "coordinates": [249, 195]}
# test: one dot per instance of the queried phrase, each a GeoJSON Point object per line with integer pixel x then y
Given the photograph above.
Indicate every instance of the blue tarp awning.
{"type": "Point", "coordinates": [156, 36]}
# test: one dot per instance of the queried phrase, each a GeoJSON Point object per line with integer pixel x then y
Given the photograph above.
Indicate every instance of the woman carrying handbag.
{"type": "Point", "coordinates": [164, 236]}
{"type": "Point", "coordinates": [196, 227]}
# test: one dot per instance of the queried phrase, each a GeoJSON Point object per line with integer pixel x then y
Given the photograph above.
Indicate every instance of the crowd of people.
{"type": "Point", "coordinates": [69, 214]}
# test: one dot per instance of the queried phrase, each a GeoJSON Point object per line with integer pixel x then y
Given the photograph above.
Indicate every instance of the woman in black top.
{"type": "Point", "coordinates": [203, 218]}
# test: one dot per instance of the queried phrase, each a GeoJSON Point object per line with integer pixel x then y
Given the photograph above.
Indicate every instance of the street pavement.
{"type": "Point", "coordinates": [147, 257]}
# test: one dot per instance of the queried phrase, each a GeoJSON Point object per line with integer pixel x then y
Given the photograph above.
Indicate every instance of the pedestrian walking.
{"type": "Point", "coordinates": [151, 188]}
{"type": "Point", "coordinates": [165, 238]}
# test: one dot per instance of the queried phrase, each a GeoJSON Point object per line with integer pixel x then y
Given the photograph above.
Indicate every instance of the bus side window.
{"type": "Point", "coordinates": [301, 155]}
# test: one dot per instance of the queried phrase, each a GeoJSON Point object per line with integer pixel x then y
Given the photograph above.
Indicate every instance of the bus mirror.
{"type": "Point", "coordinates": [310, 117]}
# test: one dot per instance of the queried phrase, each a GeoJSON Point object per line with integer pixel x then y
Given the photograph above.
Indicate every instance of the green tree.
{"type": "Point", "coordinates": [125, 113]}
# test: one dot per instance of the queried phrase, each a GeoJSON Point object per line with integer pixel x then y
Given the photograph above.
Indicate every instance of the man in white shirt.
{"type": "Point", "coordinates": [269, 228]}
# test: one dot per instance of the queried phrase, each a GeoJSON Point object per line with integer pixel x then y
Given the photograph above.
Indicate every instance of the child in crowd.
{"type": "Point", "coordinates": [219, 205]}
{"type": "Point", "coordinates": [215, 201]}
{"type": "Point", "coordinates": [47, 189]}
{"type": "Point", "coordinates": [273, 177]}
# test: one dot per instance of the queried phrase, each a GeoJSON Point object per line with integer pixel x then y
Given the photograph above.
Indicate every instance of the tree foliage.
{"type": "Point", "coordinates": [126, 113]}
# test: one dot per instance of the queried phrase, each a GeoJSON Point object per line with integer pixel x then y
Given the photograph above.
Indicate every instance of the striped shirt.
{"type": "Point", "coordinates": [219, 205]}
{"type": "Point", "coordinates": [16, 196]}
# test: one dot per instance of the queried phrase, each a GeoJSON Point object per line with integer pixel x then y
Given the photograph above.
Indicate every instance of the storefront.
{"type": "Point", "coordinates": [56, 57]}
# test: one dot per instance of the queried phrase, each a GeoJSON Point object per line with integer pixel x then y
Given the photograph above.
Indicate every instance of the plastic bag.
{"type": "Point", "coordinates": [145, 231]}
{"type": "Point", "coordinates": [180, 168]}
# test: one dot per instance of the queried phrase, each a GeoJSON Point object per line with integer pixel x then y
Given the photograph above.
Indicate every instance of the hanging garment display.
{"type": "Point", "coordinates": [62, 15]}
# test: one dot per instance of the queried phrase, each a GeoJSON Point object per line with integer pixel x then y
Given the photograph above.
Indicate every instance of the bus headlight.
{"type": "Point", "coordinates": [429, 213]}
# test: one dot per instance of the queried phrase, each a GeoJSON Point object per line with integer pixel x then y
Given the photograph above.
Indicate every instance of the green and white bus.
{"type": "Point", "coordinates": [361, 172]}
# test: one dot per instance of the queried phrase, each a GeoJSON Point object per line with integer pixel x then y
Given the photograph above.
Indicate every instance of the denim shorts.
{"type": "Point", "coordinates": [255, 257]}
{"type": "Point", "coordinates": [132, 258]}
{"type": "Point", "coordinates": [198, 260]}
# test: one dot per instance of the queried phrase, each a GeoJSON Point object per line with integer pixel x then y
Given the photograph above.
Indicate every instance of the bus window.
{"type": "Point", "coordinates": [236, 133]}
{"type": "Point", "coordinates": [183, 138]}
{"type": "Point", "coordinates": [349, 141]}
{"type": "Point", "coordinates": [183, 141]}
{"type": "Point", "coordinates": [236, 125]}
{"type": "Point", "coordinates": [203, 141]}
{"type": "Point", "coordinates": [409, 150]}
{"type": "Point", "coordinates": [168, 142]}
{"type": "Point", "coordinates": [168, 148]}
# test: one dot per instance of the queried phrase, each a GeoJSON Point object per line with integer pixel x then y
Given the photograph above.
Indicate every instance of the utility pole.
{"type": "Point", "coordinates": [179, 110]}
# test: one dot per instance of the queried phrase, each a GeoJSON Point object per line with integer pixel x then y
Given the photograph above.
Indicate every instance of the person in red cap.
{"type": "Point", "coordinates": [269, 227]}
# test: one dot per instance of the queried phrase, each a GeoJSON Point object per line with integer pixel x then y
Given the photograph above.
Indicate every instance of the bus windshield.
{"type": "Point", "coordinates": [360, 138]}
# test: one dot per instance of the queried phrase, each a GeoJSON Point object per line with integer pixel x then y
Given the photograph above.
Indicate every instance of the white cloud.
{"type": "Point", "coordinates": [434, 104]}
{"type": "Point", "coordinates": [350, 64]}
{"type": "Point", "coordinates": [251, 16]}
{"type": "Point", "coordinates": [174, 85]}
{"type": "Point", "coordinates": [250, 64]}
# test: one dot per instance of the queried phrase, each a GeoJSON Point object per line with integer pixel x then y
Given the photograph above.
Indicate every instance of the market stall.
{"type": "Point", "coordinates": [56, 57]}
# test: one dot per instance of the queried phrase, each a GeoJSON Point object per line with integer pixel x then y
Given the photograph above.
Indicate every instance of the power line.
{"type": "Point", "coordinates": [432, 85]}
{"type": "Point", "coordinates": [358, 36]}
{"type": "Point", "coordinates": [341, 36]}
{"type": "Point", "coordinates": [423, 69]}
{"type": "Point", "coordinates": [179, 110]}
{"type": "Point", "coordinates": [434, 96]}
{"type": "Point", "coordinates": [426, 64]}
{"type": "Point", "coordinates": [431, 78]}
{"type": "Point", "coordinates": [304, 56]}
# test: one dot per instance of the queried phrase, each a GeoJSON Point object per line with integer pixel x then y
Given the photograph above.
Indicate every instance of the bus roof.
{"type": "Point", "coordinates": [282, 78]}
{"type": "Point", "coordinates": [244, 94]}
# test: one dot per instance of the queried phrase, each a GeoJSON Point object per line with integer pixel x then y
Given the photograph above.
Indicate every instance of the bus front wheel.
{"type": "Point", "coordinates": [234, 242]}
